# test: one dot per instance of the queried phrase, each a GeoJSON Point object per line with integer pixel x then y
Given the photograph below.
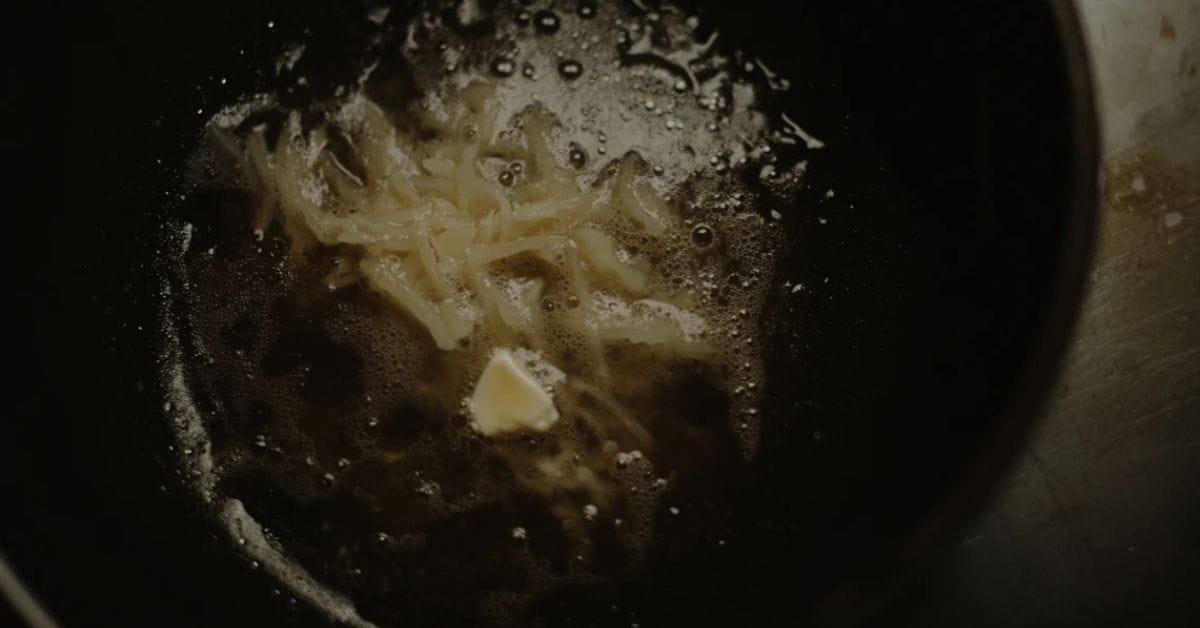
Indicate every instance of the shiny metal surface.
{"type": "Point", "coordinates": [24, 604]}
{"type": "Point", "coordinates": [1098, 523]}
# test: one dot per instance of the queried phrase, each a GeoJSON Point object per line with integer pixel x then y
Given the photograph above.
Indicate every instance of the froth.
{"type": "Point", "coordinates": [325, 404]}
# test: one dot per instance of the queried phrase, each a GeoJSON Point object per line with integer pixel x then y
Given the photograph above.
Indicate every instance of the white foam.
{"type": "Point", "coordinates": [192, 436]}
{"type": "Point", "coordinates": [235, 114]}
{"type": "Point", "coordinates": [242, 526]}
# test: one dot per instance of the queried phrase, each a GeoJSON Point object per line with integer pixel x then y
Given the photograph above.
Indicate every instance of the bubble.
{"type": "Point", "coordinates": [528, 71]}
{"type": "Point", "coordinates": [570, 70]}
{"type": "Point", "coordinates": [702, 236]}
{"type": "Point", "coordinates": [686, 265]}
{"type": "Point", "coordinates": [503, 68]}
{"type": "Point", "coordinates": [625, 459]}
{"type": "Point", "coordinates": [547, 22]}
{"type": "Point", "coordinates": [577, 157]}
{"type": "Point", "coordinates": [586, 10]}
{"type": "Point", "coordinates": [523, 18]}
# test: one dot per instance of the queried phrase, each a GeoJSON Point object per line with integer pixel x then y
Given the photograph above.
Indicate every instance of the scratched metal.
{"type": "Point", "coordinates": [1098, 523]}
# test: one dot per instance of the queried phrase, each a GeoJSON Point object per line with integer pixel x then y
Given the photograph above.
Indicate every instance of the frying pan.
{"type": "Point", "coordinates": [961, 140]}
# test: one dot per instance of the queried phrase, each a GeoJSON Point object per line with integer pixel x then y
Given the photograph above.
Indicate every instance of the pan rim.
{"type": "Point", "coordinates": [855, 602]}
{"type": "Point", "coordinates": [23, 600]}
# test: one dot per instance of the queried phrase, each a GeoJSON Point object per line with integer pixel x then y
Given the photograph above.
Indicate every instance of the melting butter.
{"type": "Point", "coordinates": [507, 399]}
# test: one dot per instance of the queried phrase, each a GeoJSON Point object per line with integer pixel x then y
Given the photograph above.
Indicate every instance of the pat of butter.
{"type": "Point", "coordinates": [507, 399]}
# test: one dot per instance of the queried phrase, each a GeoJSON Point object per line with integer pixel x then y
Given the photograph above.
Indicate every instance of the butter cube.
{"type": "Point", "coordinates": [508, 399]}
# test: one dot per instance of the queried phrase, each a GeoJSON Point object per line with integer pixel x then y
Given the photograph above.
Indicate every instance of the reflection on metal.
{"type": "Point", "coordinates": [26, 605]}
{"type": "Point", "coordinates": [1096, 523]}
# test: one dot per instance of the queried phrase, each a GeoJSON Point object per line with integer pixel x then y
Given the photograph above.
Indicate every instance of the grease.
{"type": "Point", "coordinates": [335, 422]}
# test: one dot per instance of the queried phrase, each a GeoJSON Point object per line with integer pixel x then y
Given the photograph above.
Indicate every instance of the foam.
{"type": "Point", "coordinates": [349, 443]}
{"type": "Point", "coordinates": [255, 542]}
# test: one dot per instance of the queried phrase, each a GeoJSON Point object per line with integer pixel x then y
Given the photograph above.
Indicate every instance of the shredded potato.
{"type": "Point", "coordinates": [431, 228]}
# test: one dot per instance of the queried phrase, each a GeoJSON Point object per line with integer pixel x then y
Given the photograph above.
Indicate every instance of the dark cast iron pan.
{"type": "Point", "coordinates": [962, 133]}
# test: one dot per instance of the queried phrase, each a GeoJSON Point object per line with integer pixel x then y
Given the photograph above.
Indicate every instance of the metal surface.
{"type": "Point", "coordinates": [21, 600]}
{"type": "Point", "coordinates": [1099, 521]}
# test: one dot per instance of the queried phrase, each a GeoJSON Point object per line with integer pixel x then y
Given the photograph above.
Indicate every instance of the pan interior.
{"type": "Point", "coordinates": [947, 218]}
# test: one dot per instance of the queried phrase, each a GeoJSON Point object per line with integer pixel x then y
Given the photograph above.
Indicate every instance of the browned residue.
{"type": "Point", "coordinates": [1167, 29]}
{"type": "Point", "coordinates": [1141, 183]}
